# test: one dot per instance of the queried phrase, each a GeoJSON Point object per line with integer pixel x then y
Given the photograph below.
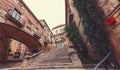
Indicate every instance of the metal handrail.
{"type": "Point", "coordinates": [104, 59]}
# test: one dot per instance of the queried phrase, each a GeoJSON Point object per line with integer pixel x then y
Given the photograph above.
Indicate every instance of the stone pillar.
{"type": "Point", "coordinates": [4, 45]}
{"type": "Point", "coordinates": [2, 52]}
{"type": "Point", "coordinates": [74, 57]}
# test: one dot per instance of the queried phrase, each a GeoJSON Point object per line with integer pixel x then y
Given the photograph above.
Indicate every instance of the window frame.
{"type": "Point", "coordinates": [15, 14]}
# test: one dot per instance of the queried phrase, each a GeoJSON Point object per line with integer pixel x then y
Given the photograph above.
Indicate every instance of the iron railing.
{"type": "Point", "coordinates": [18, 21]}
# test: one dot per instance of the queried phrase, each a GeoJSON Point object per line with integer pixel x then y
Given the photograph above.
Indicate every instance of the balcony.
{"type": "Point", "coordinates": [15, 18]}
{"type": "Point", "coordinates": [36, 34]}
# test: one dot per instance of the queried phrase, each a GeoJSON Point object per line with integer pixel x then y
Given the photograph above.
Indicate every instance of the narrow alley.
{"type": "Point", "coordinates": [60, 35]}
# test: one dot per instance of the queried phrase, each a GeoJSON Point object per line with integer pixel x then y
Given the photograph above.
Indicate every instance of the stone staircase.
{"type": "Point", "coordinates": [59, 59]}
{"type": "Point", "coordinates": [56, 58]}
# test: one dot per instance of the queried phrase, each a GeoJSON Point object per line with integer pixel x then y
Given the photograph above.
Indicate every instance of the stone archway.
{"type": "Point", "coordinates": [8, 31]}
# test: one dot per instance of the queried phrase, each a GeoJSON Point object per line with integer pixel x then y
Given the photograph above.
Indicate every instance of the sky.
{"type": "Point", "coordinates": [53, 11]}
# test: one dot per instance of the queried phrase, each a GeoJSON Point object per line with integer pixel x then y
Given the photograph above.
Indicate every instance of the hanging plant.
{"type": "Point", "coordinates": [94, 26]}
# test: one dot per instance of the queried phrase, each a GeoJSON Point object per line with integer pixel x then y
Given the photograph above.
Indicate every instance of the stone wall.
{"type": "Point", "coordinates": [107, 6]}
{"type": "Point", "coordinates": [29, 20]}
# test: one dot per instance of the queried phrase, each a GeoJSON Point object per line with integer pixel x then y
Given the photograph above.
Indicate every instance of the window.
{"type": "Point", "coordinates": [61, 30]}
{"type": "Point", "coordinates": [19, 43]}
{"type": "Point", "coordinates": [29, 25]}
{"type": "Point", "coordinates": [18, 47]}
{"type": "Point", "coordinates": [36, 29]}
{"type": "Point", "coordinates": [15, 14]}
{"type": "Point", "coordinates": [60, 44]}
{"type": "Point", "coordinates": [56, 31]}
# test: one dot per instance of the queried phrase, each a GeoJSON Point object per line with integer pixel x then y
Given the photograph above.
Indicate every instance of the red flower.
{"type": "Point", "coordinates": [110, 20]}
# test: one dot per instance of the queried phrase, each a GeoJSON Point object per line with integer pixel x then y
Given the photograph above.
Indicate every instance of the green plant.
{"type": "Point", "coordinates": [77, 41]}
{"type": "Point", "coordinates": [94, 26]}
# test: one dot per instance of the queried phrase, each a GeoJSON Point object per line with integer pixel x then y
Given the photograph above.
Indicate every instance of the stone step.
{"type": "Point", "coordinates": [38, 68]}
{"type": "Point", "coordinates": [51, 64]}
{"type": "Point", "coordinates": [68, 66]}
{"type": "Point", "coordinates": [47, 61]}
{"type": "Point", "coordinates": [56, 61]}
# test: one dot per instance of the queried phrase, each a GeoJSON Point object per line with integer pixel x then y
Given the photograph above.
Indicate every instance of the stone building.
{"type": "Point", "coordinates": [60, 35]}
{"type": "Point", "coordinates": [20, 30]}
{"type": "Point", "coordinates": [111, 9]}
{"type": "Point", "coordinates": [49, 38]}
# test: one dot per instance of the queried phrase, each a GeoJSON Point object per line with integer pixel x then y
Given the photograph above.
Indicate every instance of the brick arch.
{"type": "Point", "coordinates": [8, 31]}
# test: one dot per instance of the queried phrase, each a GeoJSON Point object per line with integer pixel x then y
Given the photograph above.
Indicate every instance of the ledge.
{"type": "Point", "coordinates": [32, 56]}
